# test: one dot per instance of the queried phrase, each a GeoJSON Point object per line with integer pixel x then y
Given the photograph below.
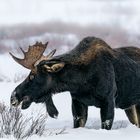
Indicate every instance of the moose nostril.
{"type": "Point", "coordinates": [14, 101]}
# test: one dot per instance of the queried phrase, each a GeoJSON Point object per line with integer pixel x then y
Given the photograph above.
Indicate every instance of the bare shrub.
{"type": "Point", "coordinates": [13, 122]}
{"type": "Point", "coordinates": [58, 32]}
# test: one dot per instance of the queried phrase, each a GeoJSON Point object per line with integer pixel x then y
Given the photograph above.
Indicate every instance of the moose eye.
{"type": "Point", "coordinates": [31, 77]}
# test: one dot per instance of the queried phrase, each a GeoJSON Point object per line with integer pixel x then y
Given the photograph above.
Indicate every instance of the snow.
{"type": "Point", "coordinates": [90, 134]}
{"type": "Point", "coordinates": [10, 68]}
{"type": "Point", "coordinates": [122, 129]}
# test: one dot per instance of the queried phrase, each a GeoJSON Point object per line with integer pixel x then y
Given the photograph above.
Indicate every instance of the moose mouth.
{"type": "Point", "coordinates": [25, 102]}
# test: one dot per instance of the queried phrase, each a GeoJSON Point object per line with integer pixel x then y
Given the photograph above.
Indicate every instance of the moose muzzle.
{"type": "Point", "coordinates": [25, 101]}
{"type": "Point", "coordinates": [14, 101]}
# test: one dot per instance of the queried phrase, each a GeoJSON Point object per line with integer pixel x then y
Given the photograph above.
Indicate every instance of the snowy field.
{"type": "Point", "coordinates": [122, 129]}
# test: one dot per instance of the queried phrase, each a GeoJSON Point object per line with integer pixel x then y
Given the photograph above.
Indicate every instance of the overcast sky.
{"type": "Point", "coordinates": [120, 12]}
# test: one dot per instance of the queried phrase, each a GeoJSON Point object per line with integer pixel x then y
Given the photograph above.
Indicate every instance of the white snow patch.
{"type": "Point", "coordinates": [9, 68]}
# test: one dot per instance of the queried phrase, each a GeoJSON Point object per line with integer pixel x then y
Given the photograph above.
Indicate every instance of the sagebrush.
{"type": "Point", "coordinates": [14, 123]}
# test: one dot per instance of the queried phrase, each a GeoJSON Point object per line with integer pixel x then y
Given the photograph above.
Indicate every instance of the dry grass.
{"type": "Point", "coordinates": [14, 123]}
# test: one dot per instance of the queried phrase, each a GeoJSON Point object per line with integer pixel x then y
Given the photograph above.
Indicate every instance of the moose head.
{"type": "Point", "coordinates": [36, 86]}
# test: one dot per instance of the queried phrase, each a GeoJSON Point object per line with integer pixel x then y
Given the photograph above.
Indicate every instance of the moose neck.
{"type": "Point", "coordinates": [69, 79]}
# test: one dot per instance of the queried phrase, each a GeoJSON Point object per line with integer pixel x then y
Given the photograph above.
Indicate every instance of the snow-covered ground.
{"type": "Point", "coordinates": [122, 129]}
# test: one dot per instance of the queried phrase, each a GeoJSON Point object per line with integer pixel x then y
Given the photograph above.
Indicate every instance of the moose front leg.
{"type": "Point", "coordinates": [107, 115]}
{"type": "Point", "coordinates": [79, 111]}
{"type": "Point", "coordinates": [105, 90]}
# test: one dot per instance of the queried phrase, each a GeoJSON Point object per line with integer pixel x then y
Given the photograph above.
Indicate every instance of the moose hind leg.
{"type": "Point", "coordinates": [79, 111]}
{"type": "Point", "coordinates": [133, 114]}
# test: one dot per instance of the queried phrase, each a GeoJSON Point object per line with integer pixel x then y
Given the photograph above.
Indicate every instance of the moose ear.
{"type": "Point", "coordinates": [55, 67]}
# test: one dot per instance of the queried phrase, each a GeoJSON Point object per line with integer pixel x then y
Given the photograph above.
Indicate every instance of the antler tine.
{"type": "Point", "coordinates": [46, 43]}
{"type": "Point", "coordinates": [51, 54]}
{"type": "Point", "coordinates": [22, 50]}
{"type": "Point", "coordinates": [18, 60]}
{"type": "Point", "coordinates": [33, 54]}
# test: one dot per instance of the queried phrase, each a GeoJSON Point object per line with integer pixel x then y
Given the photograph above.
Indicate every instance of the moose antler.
{"type": "Point", "coordinates": [33, 55]}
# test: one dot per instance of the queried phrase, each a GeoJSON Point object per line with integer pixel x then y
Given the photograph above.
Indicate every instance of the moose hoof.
{"type": "Point", "coordinates": [107, 124]}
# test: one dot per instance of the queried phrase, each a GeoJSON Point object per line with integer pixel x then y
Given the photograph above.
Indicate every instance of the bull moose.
{"type": "Point", "coordinates": [93, 73]}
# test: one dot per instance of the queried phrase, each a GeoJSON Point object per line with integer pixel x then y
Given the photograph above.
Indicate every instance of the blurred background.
{"type": "Point", "coordinates": [64, 23]}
